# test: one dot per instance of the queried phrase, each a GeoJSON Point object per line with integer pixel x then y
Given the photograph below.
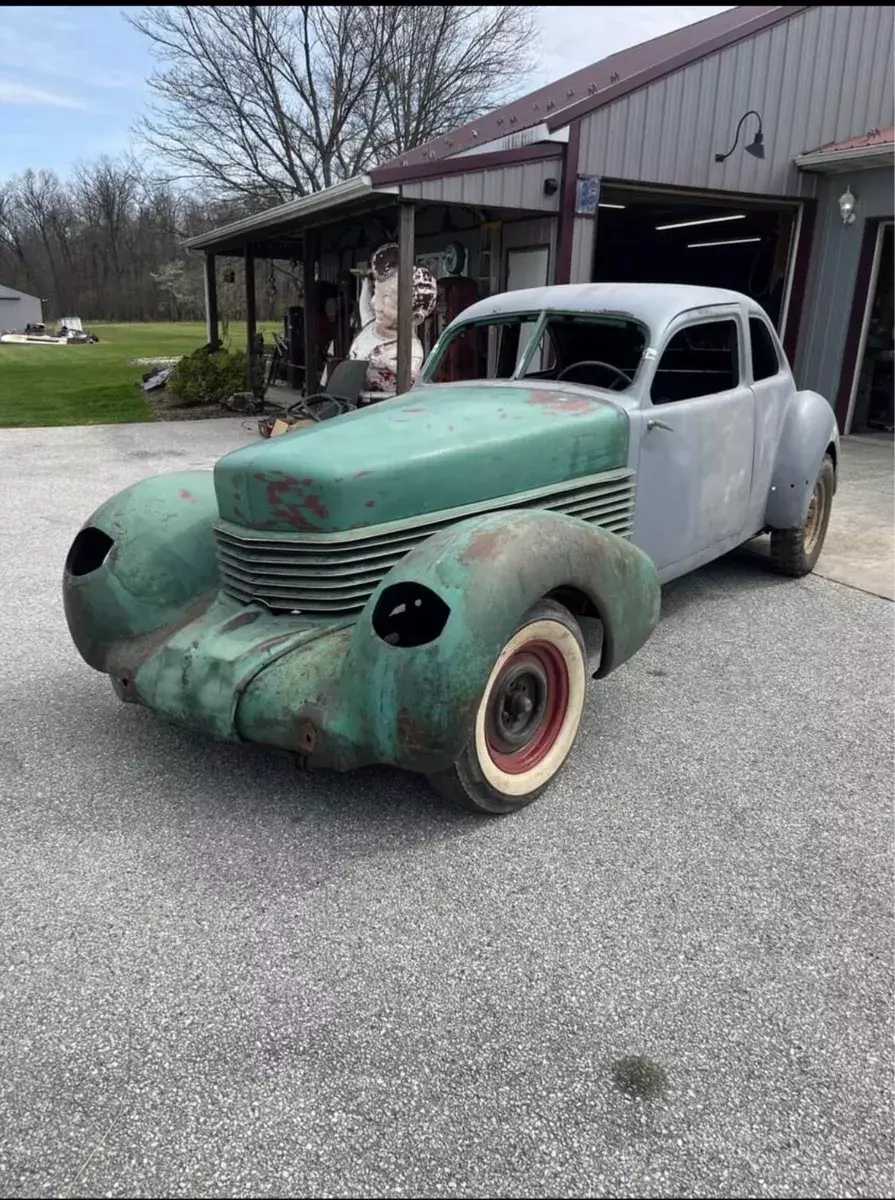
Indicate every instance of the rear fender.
{"type": "Point", "coordinates": [809, 427]}
{"type": "Point", "coordinates": [412, 704]}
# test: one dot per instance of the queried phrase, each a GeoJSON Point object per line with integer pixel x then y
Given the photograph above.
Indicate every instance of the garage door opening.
{"type": "Point", "coordinates": [650, 238]}
{"type": "Point", "coordinates": [872, 405]}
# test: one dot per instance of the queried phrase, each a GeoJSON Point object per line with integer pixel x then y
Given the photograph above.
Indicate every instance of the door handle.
{"type": "Point", "coordinates": [652, 423]}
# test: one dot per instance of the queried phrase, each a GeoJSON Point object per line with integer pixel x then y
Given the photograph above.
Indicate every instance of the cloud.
{"type": "Point", "coordinates": [13, 92]}
{"type": "Point", "coordinates": [61, 57]}
{"type": "Point", "coordinates": [576, 36]}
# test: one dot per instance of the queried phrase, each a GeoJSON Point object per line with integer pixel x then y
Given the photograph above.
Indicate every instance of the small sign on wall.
{"type": "Point", "coordinates": [587, 195]}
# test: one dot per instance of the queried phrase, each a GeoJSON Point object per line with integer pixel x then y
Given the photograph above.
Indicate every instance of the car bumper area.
{"type": "Point", "coordinates": [205, 674]}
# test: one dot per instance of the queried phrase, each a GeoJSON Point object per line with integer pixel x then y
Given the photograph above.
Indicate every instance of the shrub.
{"type": "Point", "coordinates": [206, 376]}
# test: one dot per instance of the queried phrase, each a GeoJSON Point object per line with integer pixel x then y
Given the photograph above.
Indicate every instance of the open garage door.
{"type": "Point", "coordinates": [648, 236]}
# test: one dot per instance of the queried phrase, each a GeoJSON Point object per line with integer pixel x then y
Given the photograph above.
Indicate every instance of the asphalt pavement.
{"type": "Point", "coordinates": [219, 975]}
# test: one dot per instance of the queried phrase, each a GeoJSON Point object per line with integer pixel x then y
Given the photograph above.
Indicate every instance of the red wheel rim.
{"type": "Point", "coordinates": [527, 707]}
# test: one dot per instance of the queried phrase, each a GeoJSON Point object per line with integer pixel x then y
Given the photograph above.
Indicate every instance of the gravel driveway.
{"type": "Point", "coordinates": [220, 975]}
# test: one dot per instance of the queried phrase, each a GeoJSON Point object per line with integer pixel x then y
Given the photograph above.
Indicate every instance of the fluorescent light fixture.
{"type": "Point", "coordinates": [603, 204]}
{"type": "Point", "coordinates": [727, 242]}
{"type": "Point", "coordinates": [704, 221]}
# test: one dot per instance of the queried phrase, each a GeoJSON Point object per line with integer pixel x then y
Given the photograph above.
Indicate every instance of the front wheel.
{"type": "Point", "coordinates": [795, 551]}
{"type": "Point", "coordinates": [527, 719]}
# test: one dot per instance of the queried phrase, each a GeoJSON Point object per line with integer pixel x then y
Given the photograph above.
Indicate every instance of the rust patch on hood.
{"type": "Point", "coordinates": [563, 406]}
{"type": "Point", "coordinates": [290, 501]}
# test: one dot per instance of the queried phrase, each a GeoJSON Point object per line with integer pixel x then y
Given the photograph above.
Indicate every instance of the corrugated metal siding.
{"type": "Point", "coordinates": [515, 187]}
{"type": "Point", "coordinates": [821, 76]}
{"type": "Point", "coordinates": [833, 274]}
{"type": "Point", "coordinates": [583, 236]}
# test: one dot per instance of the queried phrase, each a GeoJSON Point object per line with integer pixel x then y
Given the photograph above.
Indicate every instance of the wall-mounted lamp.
{"type": "Point", "coordinates": [847, 203]}
{"type": "Point", "coordinates": [755, 147]}
{"type": "Point", "coordinates": [551, 187]}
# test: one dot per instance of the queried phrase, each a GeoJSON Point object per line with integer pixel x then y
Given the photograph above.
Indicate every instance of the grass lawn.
{"type": "Point", "coordinates": [93, 384]}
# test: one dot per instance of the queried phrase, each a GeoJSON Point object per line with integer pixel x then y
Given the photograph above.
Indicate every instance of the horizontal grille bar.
{"type": "Point", "coordinates": [333, 575]}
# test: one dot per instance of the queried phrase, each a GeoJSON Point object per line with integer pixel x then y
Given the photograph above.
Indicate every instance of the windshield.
{"type": "Point", "coordinates": [602, 351]}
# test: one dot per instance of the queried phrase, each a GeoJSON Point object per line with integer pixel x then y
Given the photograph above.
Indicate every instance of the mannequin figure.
{"type": "Point", "coordinates": [378, 338]}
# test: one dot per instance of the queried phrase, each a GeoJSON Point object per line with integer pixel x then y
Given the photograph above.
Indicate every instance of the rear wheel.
{"type": "Point", "coordinates": [795, 551]}
{"type": "Point", "coordinates": [528, 717]}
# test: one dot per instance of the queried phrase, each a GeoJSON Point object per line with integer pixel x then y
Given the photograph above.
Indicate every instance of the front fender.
{"type": "Point", "coordinates": [413, 705]}
{"type": "Point", "coordinates": [809, 427]}
{"type": "Point", "coordinates": [140, 563]}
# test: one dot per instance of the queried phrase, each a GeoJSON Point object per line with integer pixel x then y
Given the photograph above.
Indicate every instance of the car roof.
{"type": "Point", "coordinates": [655, 304]}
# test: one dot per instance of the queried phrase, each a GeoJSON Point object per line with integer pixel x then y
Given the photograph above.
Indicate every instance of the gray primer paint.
{"type": "Point", "coordinates": [833, 275]}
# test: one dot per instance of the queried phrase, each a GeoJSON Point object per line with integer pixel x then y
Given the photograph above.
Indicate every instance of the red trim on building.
{"type": "Point", "coordinates": [639, 76]}
{"type": "Point", "coordinates": [862, 141]}
{"type": "Point", "coordinates": [799, 279]}
{"type": "Point", "coordinates": [566, 229]}
{"type": "Point", "coordinates": [852, 347]}
{"type": "Point", "coordinates": [385, 176]}
{"type": "Point", "coordinates": [566, 99]}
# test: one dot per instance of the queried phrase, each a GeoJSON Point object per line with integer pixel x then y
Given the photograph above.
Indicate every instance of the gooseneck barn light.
{"type": "Point", "coordinates": [847, 202]}
{"type": "Point", "coordinates": [755, 147]}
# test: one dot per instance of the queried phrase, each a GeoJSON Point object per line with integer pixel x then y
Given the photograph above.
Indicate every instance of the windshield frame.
{"type": "Point", "coordinates": [541, 320]}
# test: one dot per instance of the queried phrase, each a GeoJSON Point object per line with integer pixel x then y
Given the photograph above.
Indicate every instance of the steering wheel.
{"type": "Point", "coordinates": [596, 362]}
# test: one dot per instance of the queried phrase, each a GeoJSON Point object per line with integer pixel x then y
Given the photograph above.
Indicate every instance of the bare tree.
{"type": "Point", "coordinates": [268, 102]}
{"type": "Point", "coordinates": [445, 65]}
{"type": "Point", "coordinates": [108, 243]}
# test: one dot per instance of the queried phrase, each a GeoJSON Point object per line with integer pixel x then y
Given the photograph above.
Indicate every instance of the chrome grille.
{"type": "Point", "coordinates": [334, 574]}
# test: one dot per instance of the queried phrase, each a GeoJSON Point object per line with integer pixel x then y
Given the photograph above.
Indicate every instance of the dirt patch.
{"type": "Point", "coordinates": [164, 410]}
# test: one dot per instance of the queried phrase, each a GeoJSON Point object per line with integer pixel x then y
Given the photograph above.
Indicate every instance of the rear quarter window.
{"type": "Point", "coordinates": [765, 359]}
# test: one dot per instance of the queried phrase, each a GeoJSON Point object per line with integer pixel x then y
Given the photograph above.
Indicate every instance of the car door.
{"type": "Point", "coordinates": [772, 386]}
{"type": "Point", "coordinates": [696, 429]}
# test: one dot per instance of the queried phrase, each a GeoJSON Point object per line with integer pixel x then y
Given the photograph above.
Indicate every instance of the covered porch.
{"type": "Point", "coordinates": [479, 229]}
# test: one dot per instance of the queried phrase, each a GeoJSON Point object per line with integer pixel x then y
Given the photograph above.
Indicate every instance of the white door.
{"type": "Point", "coordinates": [527, 269]}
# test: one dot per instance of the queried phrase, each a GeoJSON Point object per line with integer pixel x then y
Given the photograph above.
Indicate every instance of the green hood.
{"type": "Point", "coordinates": [438, 447]}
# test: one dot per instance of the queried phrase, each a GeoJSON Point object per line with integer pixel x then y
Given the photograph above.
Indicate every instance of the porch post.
{"type": "Point", "coordinates": [250, 300]}
{"type": "Point", "coordinates": [405, 295]}
{"type": "Point", "coordinates": [309, 283]}
{"type": "Point", "coordinates": [211, 301]}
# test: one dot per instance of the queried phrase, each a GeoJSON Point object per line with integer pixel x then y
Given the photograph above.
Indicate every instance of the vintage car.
{"type": "Point", "coordinates": [407, 583]}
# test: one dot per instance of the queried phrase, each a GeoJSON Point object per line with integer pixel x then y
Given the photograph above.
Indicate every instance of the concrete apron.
{"type": "Point", "coordinates": [859, 550]}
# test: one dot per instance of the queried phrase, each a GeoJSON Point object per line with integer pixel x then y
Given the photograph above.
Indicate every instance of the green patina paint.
{"type": "Point", "coordinates": [162, 559]}
{"type": "Point", "coordinates": [195, 678]}
{"type": "Point", "coordinates": [151, 615]}
{"type": "Point", "coordinates": [437, 448]}
{"type": "Point", "coordinates": [414, 706]}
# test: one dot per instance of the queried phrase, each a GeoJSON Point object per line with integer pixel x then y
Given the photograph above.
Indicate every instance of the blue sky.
{"type": "Point", "coordinates": [72, 79]}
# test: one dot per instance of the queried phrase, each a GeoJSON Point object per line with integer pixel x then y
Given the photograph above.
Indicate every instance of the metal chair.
{"type": "Point", "coordinates": [344, 383]}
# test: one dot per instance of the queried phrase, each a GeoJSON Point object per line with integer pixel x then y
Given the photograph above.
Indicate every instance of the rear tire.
{"type": "Point", "coordinates": [527, 719]}
{"type": "Point", "coordinates": [796, 551]}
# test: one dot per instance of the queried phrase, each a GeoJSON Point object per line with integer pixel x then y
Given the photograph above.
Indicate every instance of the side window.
{"type": "Point", "coordinates": [765, 361]}
{"type": "Point", "coordinates": [700, 360]}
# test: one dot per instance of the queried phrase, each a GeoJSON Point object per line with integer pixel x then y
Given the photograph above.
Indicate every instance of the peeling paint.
{"type": "Point", "coordinates": [561, 405]}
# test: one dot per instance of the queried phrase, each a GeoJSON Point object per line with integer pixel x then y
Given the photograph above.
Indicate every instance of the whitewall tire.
{"type": "Point", "coordinates": [527, 719]}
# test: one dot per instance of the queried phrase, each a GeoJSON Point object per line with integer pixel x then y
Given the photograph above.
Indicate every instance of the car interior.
{"type": "Point", "coordinates": [606, 351]}
{"type": "Point", "coordinates": [602, 352]}
{"type": "Point", "coordinates": [700, 360]}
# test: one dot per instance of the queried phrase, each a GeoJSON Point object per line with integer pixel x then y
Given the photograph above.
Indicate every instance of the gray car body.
{"type": "Point", "coordinates": [712, 471]}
